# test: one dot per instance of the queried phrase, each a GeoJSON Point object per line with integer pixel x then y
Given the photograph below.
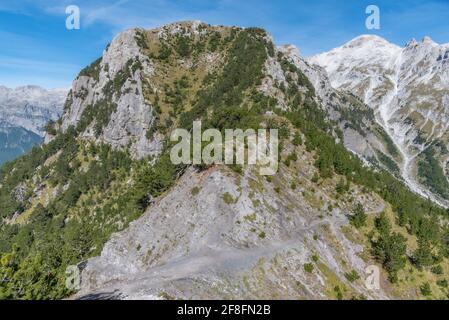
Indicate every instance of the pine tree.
{"type": "Point", "coordinates": [422, 256]}
{"type": "Point", "coordinates": [358, 218]}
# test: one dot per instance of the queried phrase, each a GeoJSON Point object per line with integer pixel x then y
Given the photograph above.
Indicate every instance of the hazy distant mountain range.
{"type": "Point", "coordinates": [24, 111]}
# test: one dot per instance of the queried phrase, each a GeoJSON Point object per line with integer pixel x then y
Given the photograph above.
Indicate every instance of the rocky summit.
{"type": "Point", "coordinates": [99, 211]}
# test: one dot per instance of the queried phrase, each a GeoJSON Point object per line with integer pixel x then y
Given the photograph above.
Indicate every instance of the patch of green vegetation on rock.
{"type": "Point", "coordinates": [308, 267]}
{"type": "Point", "coordinates": [195, 191]}
{"type": "Point", "coordinates": [391, 147]}
{"type": "Point", "coordinates": [432, 174]}
{"type": "Point", "coordinates": [389, 163]}
{"type": "Point", "coordinates": [227, 198]}
{"type": "Point", "coordinates": [92, 70]}
{"type": "Point", "coordinates": [251, 217]}
{"type": "Point", "coordinates": [352, 276]}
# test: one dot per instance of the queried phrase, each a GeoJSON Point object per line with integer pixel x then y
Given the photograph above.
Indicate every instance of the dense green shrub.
{"type": "Point", "coordinates": [358, 217]}
{"type": "Point", "coordinates": [432, 173]}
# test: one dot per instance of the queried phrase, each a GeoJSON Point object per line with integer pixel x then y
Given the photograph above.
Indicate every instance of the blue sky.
{"type": "Point", "coordinates": [36, 48]}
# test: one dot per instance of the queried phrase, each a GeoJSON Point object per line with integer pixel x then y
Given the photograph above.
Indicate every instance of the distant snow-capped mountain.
{"type": "Point", "coordinates": [24, 112]}
{"type": "Point", "coordinates": [408, 88]}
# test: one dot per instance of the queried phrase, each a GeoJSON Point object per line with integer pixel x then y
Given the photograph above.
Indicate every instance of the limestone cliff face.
{"type": "Point", "coordinates": [113, 100]}
{"type": "Point", "coordinates": [116, 80]}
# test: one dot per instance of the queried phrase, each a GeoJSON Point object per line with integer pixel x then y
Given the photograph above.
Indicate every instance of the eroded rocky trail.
{"type": "Point", "coordinates": [220, 251]}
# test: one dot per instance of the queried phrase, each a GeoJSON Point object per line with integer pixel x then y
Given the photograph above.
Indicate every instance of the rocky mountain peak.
{"type": "Point", "coordinates": [427, 40]}
{"type": "Point", "coordinates": [412, 43]}
{"type": "Point", "coordinates": [366, 41]}
{"type": "Point", "coordinates": [291, 50]}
